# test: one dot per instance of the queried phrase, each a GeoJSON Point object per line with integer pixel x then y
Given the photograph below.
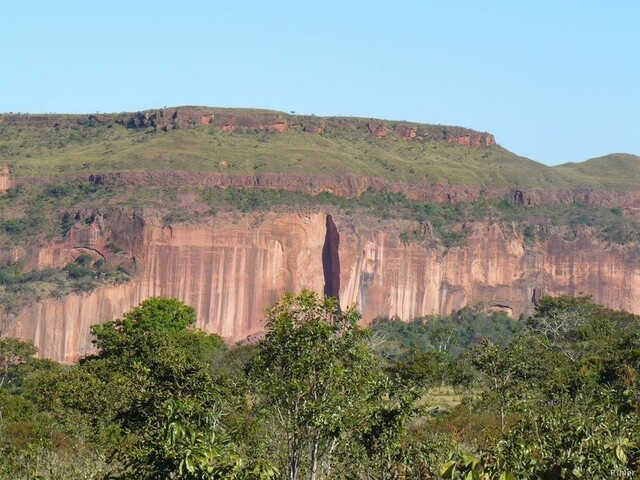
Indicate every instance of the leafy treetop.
{"type": "Point", "coordinates": [154, 315]}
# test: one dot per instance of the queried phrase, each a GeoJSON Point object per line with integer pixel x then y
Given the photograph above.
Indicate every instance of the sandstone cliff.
{"type": "Point", "coordinates": [233, 268]}
{"type": "Point", "coordinates": [234, 265]}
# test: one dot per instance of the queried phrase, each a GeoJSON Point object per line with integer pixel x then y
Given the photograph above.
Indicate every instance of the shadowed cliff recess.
{"type": "Point", "coordinates": [331, 261]}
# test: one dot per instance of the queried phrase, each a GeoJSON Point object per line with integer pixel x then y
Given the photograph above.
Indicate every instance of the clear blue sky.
{"type": "Point", "coordinates": [555, 81]}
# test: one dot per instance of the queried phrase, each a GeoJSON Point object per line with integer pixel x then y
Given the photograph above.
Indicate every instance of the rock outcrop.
{"type": "Point", "coordinates": [473, 140]}
{"type": "Point", "coordinates": [5, 178]}
{"type": "Point", "coordinates": [349, 186]}
{"type": "Point", "coordinates": [231, 120]}
{"type": "Point", "coordinates": [232, 269]}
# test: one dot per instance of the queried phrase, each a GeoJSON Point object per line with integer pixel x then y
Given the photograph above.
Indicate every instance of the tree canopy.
{"type": "Point", "coordinates": [323, 398]}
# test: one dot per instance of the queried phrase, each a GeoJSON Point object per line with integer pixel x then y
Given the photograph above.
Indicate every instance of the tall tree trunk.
{"type": "Point", "coordinates": [314, 457]}
{"type": "Point", "coordinates": [328, 456]}
{"type": "Point", "coordinates": [294, 459]}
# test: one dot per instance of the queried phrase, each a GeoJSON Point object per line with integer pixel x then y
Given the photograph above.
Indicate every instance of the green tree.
{"type": "Point", "coordinates": [319, 378]}
{"type": "Point", "coordinates": [506, 375]}
{"type": "Point", "coordinates": [424, 369]}
{"type": "Point", "coordinates": [152, 378]}
{"type": "Point", "coordinates": [13, 352]}
{"type": "Point", "coordinates": [155, 315]}
{"type": "Point", "coordinates": [571, 324]}
{"type": "Point", "coordinates": [594, 436]}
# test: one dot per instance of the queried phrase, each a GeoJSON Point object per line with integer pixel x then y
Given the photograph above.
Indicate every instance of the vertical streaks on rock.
{"type": "Point", "coordinates": [231, 270]}
{"type": "Point", "coordinates": [229, 273]}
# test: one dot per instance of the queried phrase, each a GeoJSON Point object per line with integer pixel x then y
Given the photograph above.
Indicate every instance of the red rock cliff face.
{"type": "Point", "coordinates": [385, 276]}
{"type": "Point", "coordinates": [228, 273]}
{"type": "Point", "coordinates": [232, 270]}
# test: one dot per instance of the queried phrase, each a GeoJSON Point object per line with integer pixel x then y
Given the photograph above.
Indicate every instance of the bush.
{"type": "Point", "coordinates": [76, 271]}
{"type": "Point", "coordinates": [58, 191]}
{"type": "Point", "coordinates": [113, 247]}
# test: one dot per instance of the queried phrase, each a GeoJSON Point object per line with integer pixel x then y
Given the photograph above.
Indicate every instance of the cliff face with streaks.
{"type": "Point", "coordinates": [230, 273]}
{"type": "Point", "coordinates": [385, 276]}
{"type": "Point", "coordinates": [231, 269]}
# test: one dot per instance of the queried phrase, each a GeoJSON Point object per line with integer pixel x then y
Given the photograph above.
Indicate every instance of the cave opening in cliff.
{"type": "Point", "coordinates": [331, 260]}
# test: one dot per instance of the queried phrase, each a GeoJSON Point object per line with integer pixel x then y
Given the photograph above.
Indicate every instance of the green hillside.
{"type": "Point", "coordinates": [618, 170]}
{"type": "Point", "coordinates": [64, 145]}
{"type": "Point", "coordinates": [34, 150]}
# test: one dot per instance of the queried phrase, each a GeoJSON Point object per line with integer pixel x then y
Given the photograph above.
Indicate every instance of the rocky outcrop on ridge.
{"type": "Point", "coordinates": [231, 120]}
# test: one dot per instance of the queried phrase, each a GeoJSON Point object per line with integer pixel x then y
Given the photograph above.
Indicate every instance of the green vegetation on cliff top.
{"type": "Point", "coordinates": [79, 147]}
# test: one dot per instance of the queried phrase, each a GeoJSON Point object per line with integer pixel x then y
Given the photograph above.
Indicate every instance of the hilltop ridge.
{"type": "Point", "coordinates": [253, 142]}
{"type": "Point", "coordinates": [243, 119]}
{"type": "Point", "coordinates": [616, 170]}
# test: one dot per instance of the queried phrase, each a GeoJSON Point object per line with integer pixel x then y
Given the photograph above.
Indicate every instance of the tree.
{"type": "Point", "coordinates": [154, 315]}
{"type": "Point", "coordinates": [316, 373]}
{"type": "Point", "coordinates": [505, 373]}
{"type": "Point", "coordinates": [568, 323]}
{"type": "Point", "coordinates": [13, 352]}
{"type": "Point", "coordinates": [594, 436]}
{"type": "Point", "coordinates": [160, 390]}
{"type": "Point", "coordinates": [424, 369]}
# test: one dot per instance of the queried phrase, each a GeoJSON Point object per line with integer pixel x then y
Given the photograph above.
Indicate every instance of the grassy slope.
{"type": "Point", "coordinates": [618, 170]}
{"type": "Point", "coordinates": [34, 151]}
{"type": "Point", "coordinates": [45, 151]}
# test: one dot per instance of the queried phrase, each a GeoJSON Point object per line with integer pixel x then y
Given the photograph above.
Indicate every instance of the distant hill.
{"type": "Point", "coordinates": [618, 170]}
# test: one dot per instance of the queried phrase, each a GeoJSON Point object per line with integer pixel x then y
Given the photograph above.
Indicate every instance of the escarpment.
{"type": "Point", "coordinates": [226, 209]}
{"type": "Point", "coordinates": [235, 266]}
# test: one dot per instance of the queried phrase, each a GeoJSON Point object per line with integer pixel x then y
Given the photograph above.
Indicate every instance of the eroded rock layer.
{"type": "Point", "coordinates": [231, 120]}
{"type": "Point", "coordinates": [233, 268]}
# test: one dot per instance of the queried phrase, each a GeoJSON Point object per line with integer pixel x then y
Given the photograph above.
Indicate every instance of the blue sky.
{"type": "Point", "coordinates": [555, 81]}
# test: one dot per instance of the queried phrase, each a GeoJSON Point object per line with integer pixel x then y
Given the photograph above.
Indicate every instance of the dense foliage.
{"type": "Point", "coordinates": [453, 333]}
{"type": "Point", "coordinates": [474, 395]}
